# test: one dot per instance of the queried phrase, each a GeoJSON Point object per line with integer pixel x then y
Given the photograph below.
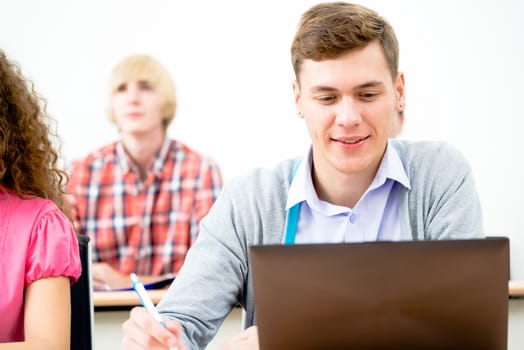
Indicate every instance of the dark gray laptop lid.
{"type": "Point", "coordinates": [382, 295]}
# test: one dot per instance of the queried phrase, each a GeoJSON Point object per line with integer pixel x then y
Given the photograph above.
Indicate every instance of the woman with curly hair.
{"type": "Point", "coordinates": [38, 245]}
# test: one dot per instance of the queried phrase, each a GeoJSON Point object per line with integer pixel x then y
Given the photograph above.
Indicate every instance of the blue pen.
{"type": "Point", "coordinates": [144, 298]}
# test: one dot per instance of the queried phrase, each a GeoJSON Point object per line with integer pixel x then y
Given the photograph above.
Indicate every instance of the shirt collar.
{"type": "Point", "coordinates": [155, 167]}
{"type": "Point", "coordinates": [302, 189]}
{"type": "Point", "coordinates": [390, 167]}
{"type": "Point", "coordinates": [122, 157]}
{"type": "Point", "coordinates": [297, 190]}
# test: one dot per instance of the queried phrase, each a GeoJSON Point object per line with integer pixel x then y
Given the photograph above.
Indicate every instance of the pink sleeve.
{"type": "Point", "coordinates": [53, 249]}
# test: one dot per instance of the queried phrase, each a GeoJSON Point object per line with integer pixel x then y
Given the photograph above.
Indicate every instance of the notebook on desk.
{"type": "Point", "coordinates": [382, 295]}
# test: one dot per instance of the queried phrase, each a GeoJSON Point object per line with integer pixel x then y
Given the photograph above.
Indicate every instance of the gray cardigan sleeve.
{"type": "Point", "coordinates": [212, 278]}
{"type": "Point", "coordinates": [215, 275]}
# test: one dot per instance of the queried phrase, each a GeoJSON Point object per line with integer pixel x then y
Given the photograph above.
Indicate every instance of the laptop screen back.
{"type": "Point", "coordinates": [382, 295]}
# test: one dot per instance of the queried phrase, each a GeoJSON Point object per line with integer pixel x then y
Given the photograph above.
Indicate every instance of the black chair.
{"type": "Point", "coordinates": [82, 317]}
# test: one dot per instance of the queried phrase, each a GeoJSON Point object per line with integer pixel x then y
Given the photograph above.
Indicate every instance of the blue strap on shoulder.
{"type": "Point", "coordinates": [292, 217]}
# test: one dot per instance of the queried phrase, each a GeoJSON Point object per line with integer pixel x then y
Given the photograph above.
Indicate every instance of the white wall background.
{"type": "Point", "coordinates": [463, 62]}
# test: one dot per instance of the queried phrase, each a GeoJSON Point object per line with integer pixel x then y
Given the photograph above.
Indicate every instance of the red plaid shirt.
{"type": "Point", "coordinates": [139, 226]}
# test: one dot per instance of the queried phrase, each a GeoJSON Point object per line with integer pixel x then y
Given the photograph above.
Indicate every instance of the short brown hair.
{"type": "Point", "coordinates": [143, 67]}
{"type": "Point", "coordinates": [329, 30]}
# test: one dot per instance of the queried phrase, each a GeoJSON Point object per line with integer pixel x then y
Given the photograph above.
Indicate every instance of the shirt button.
{"type": "Point", "coordinates": [352, 218]}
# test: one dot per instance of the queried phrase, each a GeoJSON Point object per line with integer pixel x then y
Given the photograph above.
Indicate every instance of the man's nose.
{"type": "Point", "coordinates": [349, 113]}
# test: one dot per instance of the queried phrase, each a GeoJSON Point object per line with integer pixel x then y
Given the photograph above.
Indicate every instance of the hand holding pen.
{"type": "Point", "coordinates": [145, 299]}
{"type": "Point", "coordinates": [145, 329]}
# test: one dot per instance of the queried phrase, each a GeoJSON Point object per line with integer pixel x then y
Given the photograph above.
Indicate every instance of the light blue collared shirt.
{"type": "Point", "coordinates": [374, 218]}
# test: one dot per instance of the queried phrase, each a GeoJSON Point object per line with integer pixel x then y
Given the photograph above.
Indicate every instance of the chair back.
{"type": "Point", "coordinates": [82, 316]}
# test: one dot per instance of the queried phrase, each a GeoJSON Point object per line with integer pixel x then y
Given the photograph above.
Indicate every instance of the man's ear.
{"type": "Point", "coordinates": [297, 95]}
{"type": "Point", "coordinates": [400, 90]}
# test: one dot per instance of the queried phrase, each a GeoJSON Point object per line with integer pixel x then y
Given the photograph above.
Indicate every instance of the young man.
{"type": "Point", "coordinates": [354, 180]}
{"type": "Point", "coordinates": [141, 199]}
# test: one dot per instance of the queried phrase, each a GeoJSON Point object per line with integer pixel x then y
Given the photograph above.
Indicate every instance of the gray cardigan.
{"type": "Point", "coordinates": [442, 204]}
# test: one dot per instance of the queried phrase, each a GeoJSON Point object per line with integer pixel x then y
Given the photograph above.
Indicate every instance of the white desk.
{"type": "Point", "coordinates": [108, 332]}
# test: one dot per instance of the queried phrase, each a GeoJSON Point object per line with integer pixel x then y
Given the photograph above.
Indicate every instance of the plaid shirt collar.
{"type": "Point", "coordinates": [155, 167]}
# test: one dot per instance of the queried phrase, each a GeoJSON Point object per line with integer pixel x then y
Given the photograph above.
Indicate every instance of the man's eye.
{"type": "Point", "coordinates": [367, 96]}
{"type": "Point", "coordinates": [121, 88]}
{"type": "Point", "coordinates": [145, 85]}
{"type": "Point", "coordinates": [327, 99]}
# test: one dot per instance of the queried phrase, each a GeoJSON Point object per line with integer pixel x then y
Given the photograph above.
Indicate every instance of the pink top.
{"type": "Point", "coordinates": [36, 241]}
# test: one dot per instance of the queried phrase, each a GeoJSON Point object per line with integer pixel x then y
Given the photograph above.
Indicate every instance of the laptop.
{"type": "Point", "coordinates": [450, 294]}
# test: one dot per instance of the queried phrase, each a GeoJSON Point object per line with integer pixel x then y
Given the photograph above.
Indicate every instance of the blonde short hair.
{"type": "Point", "coordinates": [143, 67]}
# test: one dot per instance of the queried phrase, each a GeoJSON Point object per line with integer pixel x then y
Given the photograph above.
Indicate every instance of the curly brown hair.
{"type": "Point", "coordinates": [28, 158]}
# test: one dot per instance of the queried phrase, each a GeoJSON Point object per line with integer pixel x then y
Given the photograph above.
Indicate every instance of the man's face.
{"type": "Point", "coordinates": [350, 105]}
{"type": "Point", "coordinates": [137, 108]}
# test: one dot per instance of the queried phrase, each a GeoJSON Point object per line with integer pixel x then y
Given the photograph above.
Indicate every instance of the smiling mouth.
{"type": "Point", "coordinates": [353, 141]}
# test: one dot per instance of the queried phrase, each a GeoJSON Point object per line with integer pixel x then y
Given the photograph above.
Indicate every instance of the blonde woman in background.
{"type": "Point", "coordinates": [140, 199]}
